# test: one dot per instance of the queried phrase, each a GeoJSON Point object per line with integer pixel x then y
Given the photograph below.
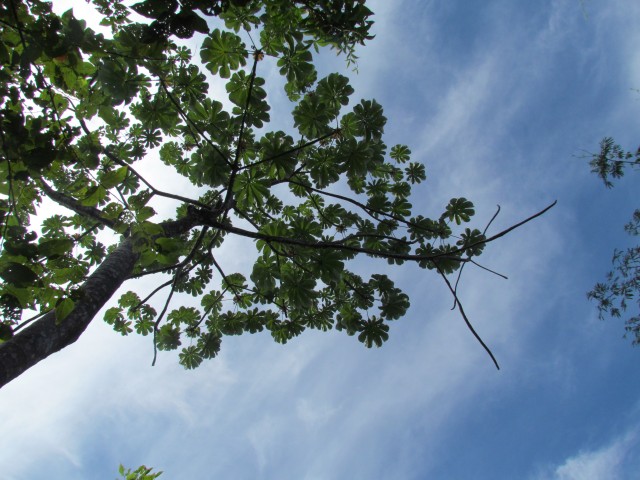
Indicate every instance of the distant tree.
{"type": "Point", "coordinates": [621, 289]}
{"type": "Point", "coordinates": [80, 109]}
{"type": "Point", "coordinates": [140, 473]}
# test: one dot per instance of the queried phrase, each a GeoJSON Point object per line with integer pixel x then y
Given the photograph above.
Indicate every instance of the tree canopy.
{"type": "Point", "coordinates": [621, 287]}
{"type": "Point", "coordinates": [81, 109]}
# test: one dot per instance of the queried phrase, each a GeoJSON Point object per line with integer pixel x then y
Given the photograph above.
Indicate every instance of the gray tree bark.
{"type": "Point", "coordinates": [45, 336]}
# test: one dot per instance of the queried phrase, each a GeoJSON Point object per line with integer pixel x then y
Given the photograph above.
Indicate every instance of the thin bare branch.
{"type": "Point", "coordinates": [488, 269]}
{"type": "Point", "coordinates": [464, 316]}
{"type": "Point", "coordinates": [495, 215]}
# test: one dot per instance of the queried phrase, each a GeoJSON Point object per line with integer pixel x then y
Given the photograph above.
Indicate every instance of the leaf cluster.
{"type": "Point", "coordinates": [80, 111]}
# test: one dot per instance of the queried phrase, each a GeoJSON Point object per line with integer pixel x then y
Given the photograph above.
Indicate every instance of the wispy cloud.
{"type": "Point", "coordinates": [616, 460]}
{"type": "Point", "coordinates": [325, 407]}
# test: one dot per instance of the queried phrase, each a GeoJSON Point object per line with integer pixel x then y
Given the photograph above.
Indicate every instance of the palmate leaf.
{"type": "Point", "coordinates": [18, 274]}
{"type": "Point", "coordinates": [241, 16]}
{"type": "Point", "coordinates": [55, 247]}
{"type": "Point", "coordinates": [374, 332]}
{"type": "Point", "coordinates": [190, 357]}
{"type": "Point", "coordinates": [369, 119]}
{"type": "Point", "coordinates": [459, 209]}
{"type": "Point", "coordinates": [298, 289]}
{"type": "Point", "coordinates": [394, 305]}
{"type": "Point", "coordinates": [415, 172]}
{"type": "Point", "coordinates": [400, 153]}
{"type": "Point", "coordinates": [311, 117]}
{"type": "Point", "coordinates": [113, 177]}
{"type": "Point", "coordinates": [209, 344]}
{"type": "Point", "coordinates": [330, 265]}
{"type": "Point", "coordinates": [274, 146]}
{"type": "Point", "coordinates": [63, 309]}
{"type": "Point", "coordinates": [168, 337]}
{"type": "Point", "coordinates": [472, 237]}
{"type": "Point", "coordinates": [250, 193]}
{"type": "Point", "coordinates": [223, 52]}
{"type": "Point", "coordinates": [296, 65]}
{"type": "Point", "coordinates": [263, 278]}
{"type": "Point", "coordinates": [238, 89]}
{"type": "Point", "coordinates": [334, 91]}
{"type": "Point", "coordinates": [120, 81]}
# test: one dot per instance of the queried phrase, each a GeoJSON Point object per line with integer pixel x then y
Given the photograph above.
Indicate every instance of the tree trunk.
{"type": "Point", "coordinates": [44, 337]}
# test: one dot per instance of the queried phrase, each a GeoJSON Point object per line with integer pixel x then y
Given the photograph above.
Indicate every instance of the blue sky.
{"type": "Point", "coordinates": [498, 99]}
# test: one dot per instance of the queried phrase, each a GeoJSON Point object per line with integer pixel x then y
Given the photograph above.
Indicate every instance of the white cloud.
{"type": "Point", "coordinates": [611, 461]}
{"type": "Point", "coordinates": [323, 406]}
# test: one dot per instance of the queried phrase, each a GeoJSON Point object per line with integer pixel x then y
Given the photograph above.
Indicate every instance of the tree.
{"type": "Point", "coordinates": [140, 473]}
{"type": "Point", "coordinates": [622, 284]}
{"type": "Point", "coordinates": [80, 109]}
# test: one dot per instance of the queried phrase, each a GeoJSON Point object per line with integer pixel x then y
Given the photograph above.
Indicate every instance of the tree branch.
{"type": "Point", "coordinates": [464, 316]}
{"type": "Point", "coordinates": [75, 206]}
{"type": "Point", "coordinates": [212, 222]}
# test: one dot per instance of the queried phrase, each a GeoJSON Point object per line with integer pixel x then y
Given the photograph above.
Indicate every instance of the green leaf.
{"type": "Point", "coordinates": [330, 265]}
{"type": "Point", "coordinates": [154, 8]}
{"type": "Point", "coordinates": [374, 332]}
{"type": "Point", "coordinates": [415, 172]}
{"type": "Point", "coordinates": [190, 357]}
{"type": "Point", "coordinates": [400, 153]}
{"type": "Point", "coordinates": [114, 177]}
{"type": "Point", "coordinates": [144, 214]}
{"type": "Point", "coordinates": [55, 248]}
{"type": "Point", "coordinates": [262, 277]}
{"type": "Point", "coordinates": [296, 65]}
{"type": "Point", "coordinates": [334, 91]}
{"type": "Point", "coordinates": [168, 337]}
{"type": "Point", "coordinates": [94, 196]}
{"type": "Point", "coordinates": [394, 305]}
{"type": "Point", "coordinates": [6, 332]}
{"type": "Point", "coordinates": [209, 345]}
{"type": "Point", "coordinates": [312, 117]}
{"type": "Point", "coordinates": [223, 52]}
{"type": "Point", "coordinates": [370, 120]}
{"type": "Point", "coordinates": [472, 237]}
{"type": "Point", "coordinates": [63, 309]}
{"type": "Point", "coordinates": [18, 274]}
{"type": "Point", "coordinates": [460, 210]}
{"type": "Point", "coordinates": [250, 192]}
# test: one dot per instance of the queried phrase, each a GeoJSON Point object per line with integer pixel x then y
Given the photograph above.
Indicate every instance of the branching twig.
{"type": "Point", "coordinates": [153, 189]}
{"type": "Point", "coordinates": [464, 316]}
{"type": "Point", "coordinates": [462, 267]}
{"type": "Point", "coordinates": [159, 319]}
{"type": "Point", "coordinates": [148, 297]}
{"type": "Point", "coordinates": [122, 163]}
